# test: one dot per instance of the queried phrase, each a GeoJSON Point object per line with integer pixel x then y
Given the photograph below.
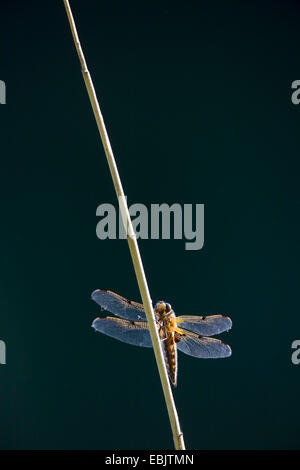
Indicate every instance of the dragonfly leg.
{"type": "Point", "coordinates": [169, 313]}
{"type": "Point", "coordinates": [162, 334]}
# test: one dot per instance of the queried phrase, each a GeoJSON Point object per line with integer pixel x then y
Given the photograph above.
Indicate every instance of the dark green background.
{"type": "Point", "coordinates": [197, 103]}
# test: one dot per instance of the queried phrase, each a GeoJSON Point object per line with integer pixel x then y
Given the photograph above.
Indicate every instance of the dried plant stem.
{"type": "Point", "coordinates": [133, 246]}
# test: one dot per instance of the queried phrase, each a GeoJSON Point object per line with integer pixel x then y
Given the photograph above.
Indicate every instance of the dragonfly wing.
{"type": "Point", "coordinates": [118, 305]}
{"type": "Point", "coordinates": [130, 332]}
{"type": "Point", "coordinates": [201, 346]}
{"type": "Point", "coordinates": [206, 326]}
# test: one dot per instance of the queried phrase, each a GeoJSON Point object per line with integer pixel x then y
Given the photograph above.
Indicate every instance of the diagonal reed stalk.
{"type": "Point", "coordinates": [132, 242]}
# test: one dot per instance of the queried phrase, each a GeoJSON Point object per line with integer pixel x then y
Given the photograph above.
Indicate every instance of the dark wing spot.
{"type": "Point", "coordinates": [204, 317]}
{"type": "Point", "coordinates": [132, 322]}
{"type": "Point", "coordinates": [200, 336]}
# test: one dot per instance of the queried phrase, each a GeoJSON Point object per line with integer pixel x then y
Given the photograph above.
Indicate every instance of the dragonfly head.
{"type": "Point", "coordinates": [163, 307]}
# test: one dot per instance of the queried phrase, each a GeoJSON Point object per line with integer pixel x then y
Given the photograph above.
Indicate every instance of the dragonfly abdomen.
{"type": "Point", "coordinates": [170, 351]}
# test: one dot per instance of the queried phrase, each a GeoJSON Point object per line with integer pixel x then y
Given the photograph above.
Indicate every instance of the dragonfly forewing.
{"type": "Point", "coordinates": [118, 305]}
{"type": "Point", "coordinates": [205, 325]}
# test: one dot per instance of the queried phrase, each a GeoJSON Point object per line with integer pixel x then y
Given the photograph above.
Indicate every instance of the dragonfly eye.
{"type": "Point", "coordinates": [168, 308]}
{"type": "Point", "coordinates": [160, 306]}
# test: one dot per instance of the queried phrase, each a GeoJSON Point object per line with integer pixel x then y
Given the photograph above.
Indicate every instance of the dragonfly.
{"type": "Point", "coordinates": [188, 333]}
